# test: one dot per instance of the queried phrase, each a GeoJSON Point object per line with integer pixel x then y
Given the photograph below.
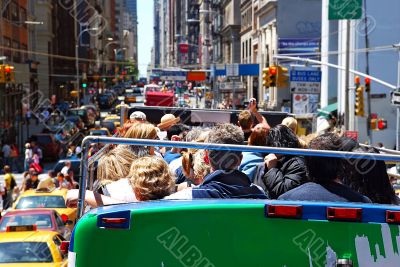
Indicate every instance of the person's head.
{"type": "Point", "coordinates": [7, 169]}
{"type": "Point", "coordinates": [324, 169]}
{"type": "Point", "coordinates": [68, 179]}
{"type": "Point", "coordinates": [34, 176]}
{"type": "Point", "coordinates": [137, 116]}
{"type": "Point", "coordinates": [141, 131]}
{"type": "Point", "coordinates": [194, 166]}
{"type": "Point", "coordinates": [177, 132]}
{"type": "Point", "coordinates": [282, 136]}
{"type": "Point", "coordinates": [167, 121]}
{"type": "Point", "coordinates": [68, 164]}
{"type": "Point", "coordinates": [258, 136]}
{"type": "Point", "coordinates": [225, 134]}
{"type": "Point", "coordinates": [348, 144]}
{"type": "Point", "coordinates": [291, 123]}
{"type": "Point", "coordinates": [368, 177]}
{"type": "Point", "coordinates": [150, 178]}
{"type": "Point", "coordinates": [27, 145]}
{"type": "Point", "coordinates": [115, 164]}
{"type": "Point", "coordinates": [245, 120]}
{"type": "Point", "coordinates": [380, 144]}
{"type": "Point", "coordinates": [51, 174]}
{"type": "Point", "coordinates": [60, 176]}
{"type": "Point", "coordinates": [31, 171]}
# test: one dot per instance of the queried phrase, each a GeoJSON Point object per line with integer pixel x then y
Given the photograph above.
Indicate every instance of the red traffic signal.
{"type": "Point", "coordinates": [272, 70]}
{"type": "Point", "coordinates": [367, 80]}
{"type": "Point", "coordinates": [7, 69]}
{"type": "Point", "coordinates": [382, 124]}
{"type": "Point", "coordinates": [357, 80]}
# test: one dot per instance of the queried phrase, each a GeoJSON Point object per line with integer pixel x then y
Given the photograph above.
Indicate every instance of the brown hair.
{"type": "Point", "coordinates": [245, 120]}
{"type": "Point", "coordinates": [150, 178]}
{"type": "Point", "coordinates": [258, 136]}
{"type": "Point", "coordinates": [7, 169]}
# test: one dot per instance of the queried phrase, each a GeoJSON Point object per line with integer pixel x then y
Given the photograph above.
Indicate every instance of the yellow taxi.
{"type": "Point", "coordinates": [25, 246]}
{"type": "Point", "coordinates": [114, 119]}
{"type": "Point", "coordinates": [99, 131]}
{"type": "Point", "coordinates": [47, 199]}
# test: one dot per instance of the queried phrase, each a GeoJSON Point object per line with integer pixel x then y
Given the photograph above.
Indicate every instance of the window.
{"type": "Point", "coordinates": [7, 43]}
{"type": "Point", "coordinates": [14, 11]}
{"type": "Point", "coordinates": [23, 16]}
{"type": "Point", "coordinates": [16, 54]}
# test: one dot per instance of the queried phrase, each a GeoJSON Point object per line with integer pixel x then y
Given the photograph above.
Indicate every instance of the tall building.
{"type": "Point", "coordinates": [156, 46]}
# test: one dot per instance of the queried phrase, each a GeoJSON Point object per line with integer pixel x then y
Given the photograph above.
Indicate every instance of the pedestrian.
{"type": "Point", "coordinates": [28, 156]}
{"type": "Point", "coordinates": [10, 184]}
{"type": "Point", "coordinates": [6, 150]}
{"type": "Point", "coordinates": [32, 182]}
{"type": "Point", "coordinates": [14, 157]}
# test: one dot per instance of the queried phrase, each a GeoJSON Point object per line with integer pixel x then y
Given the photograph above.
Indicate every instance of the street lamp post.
{"type": "Point", "coordinates": [105, 51]}
{"type": "Point", "coordinates": [77, 61]}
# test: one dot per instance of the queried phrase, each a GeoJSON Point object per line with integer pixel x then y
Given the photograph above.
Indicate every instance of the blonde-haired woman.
{"type": "Point", "coordinates": [112, 172]}
{"type": "Point", "coordinates": [141, 131]}
{"type": "Point", "coordinates": [151, 179]}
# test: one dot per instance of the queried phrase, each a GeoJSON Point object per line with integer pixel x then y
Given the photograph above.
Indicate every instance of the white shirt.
{"type": "Point", "coordinates": [183, 194]}
{"type": "Point", "coordinates": [64, 170]}
{"type": "Point", "coordinates": [121, 190]}
{"type": "Point", "coordinates": [28, 153]}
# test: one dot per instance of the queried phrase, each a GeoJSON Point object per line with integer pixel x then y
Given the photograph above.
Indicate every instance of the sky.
{"type": "Point", "coordinates": [145, 34]}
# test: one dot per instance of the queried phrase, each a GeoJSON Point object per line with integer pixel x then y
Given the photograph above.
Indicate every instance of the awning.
{"type": "Point", "coordinates": [328, 111]}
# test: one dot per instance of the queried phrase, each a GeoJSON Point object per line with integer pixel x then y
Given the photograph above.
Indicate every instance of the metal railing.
{"type": "Point", "coordinates": [242, 148]}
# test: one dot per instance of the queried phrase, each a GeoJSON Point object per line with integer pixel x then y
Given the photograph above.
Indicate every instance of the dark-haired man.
{"type": "Point", "coordinates": [225, 181]}
{"type": "Point", "coordinates": [323, 172]}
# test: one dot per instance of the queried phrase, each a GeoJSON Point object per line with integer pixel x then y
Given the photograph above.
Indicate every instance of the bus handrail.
{"type": "Point", "coordinates": [225, 147]}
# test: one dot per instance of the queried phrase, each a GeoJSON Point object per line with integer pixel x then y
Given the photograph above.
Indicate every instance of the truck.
{"type": "Point", "coordinates": [156, 95]}
{"type": "Point", "coordinates": [235, 232]}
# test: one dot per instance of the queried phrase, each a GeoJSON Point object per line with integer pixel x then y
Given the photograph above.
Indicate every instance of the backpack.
{"type": "Point", "coordinates": [13, 183]}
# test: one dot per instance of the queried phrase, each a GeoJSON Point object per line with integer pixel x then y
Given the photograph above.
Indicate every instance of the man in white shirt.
{"type": "Point", "coordinates": [6, 150]}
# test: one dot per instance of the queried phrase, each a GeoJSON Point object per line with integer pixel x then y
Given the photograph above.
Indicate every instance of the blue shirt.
{"type": "Point", "coordinates": [227, 184]}
{"type": "Point", "coordinates": [169, 156]}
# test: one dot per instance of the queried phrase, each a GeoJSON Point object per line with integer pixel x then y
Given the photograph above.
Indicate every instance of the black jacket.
{"type": "Point", "coordinates": [289, 173]}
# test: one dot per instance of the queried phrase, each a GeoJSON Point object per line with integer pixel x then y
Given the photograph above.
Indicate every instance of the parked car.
{"type": "Point", "coordinates": [50, 147]}
{"type": "Point", "coordinates": [45, 220]}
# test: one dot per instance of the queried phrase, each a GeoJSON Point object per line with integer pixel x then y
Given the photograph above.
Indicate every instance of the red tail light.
{"type": "Point", "coordinates": [284, 211]}
{"type": "Point", "coordinates": [114, 220]}
{"type": "Point", "coordinates": [64, 247]}
{"type": "Point", "coordinates": [393, 216]}
{"type": "Point", "coordinates": [344, 214]}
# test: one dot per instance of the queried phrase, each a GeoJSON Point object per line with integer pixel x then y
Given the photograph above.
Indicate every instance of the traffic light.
{"type": "Point", "coordinates": [9, 74]}
{"type": "Point", "coordinates": [84, 85]}
{"type": "Point", "coordinates": [359, 103]}
{"type": "Point", "coordinates": [382, 124]}
{"type": "Point", "coordinates": [357, 81]}
{"type": "Point", "coordinates": [266, 78]}
{"type": "Point", "coordinates": [367, 84]}
{"type": "Point", "coordinates": [2, 74]}
{"type": "Point", "coordinates": [373, 124]}
{"type": "Point", "coordinates": [282, 77]}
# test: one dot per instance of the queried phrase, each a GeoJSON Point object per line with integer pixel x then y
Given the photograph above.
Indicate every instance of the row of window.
{"type": "Point", "coordinates": [16, 56]}
{"type": "Point", "coordinates": [246, 49]}
{"type": "Point", "coordinates": [15, 13]}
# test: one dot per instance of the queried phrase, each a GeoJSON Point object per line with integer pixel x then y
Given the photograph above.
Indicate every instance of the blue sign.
{"type": "Point", "coordinates": [298, 45]}
{"type": "Point", "coordinates": [312, 76]}
{"type": "Point", "coordinates": [244, 70]}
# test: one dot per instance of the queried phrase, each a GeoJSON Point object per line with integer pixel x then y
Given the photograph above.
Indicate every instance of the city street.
{"type": "Point", "coordinates": [200, 133]}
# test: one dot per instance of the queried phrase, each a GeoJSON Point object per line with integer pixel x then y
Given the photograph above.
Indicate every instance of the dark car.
{"type": "Point", "coordinates": [106, 100]}
{"type": "Point", "coordinates": [50, 147]}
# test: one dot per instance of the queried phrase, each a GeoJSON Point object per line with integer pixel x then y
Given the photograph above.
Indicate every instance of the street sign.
{"type": "Point", "coordinates": [305, 103]}
{"type": "Point", "coordinates": [305, 82]}
{"type": "Point", "coordinates": [345, 9]}
{"type": "Point", "coordinates": [232, 70]}
{"type": "Point", "coordinates": [395, 98]}
{"type": "Point", "coordinates": [231, 85]}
